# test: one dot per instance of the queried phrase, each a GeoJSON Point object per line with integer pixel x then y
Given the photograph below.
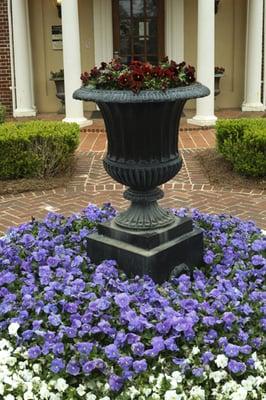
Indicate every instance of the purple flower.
{"type": "Point", "coordinates": [34, 352]}
{"type": "Point", "coordinates": [140, 366]}
{"type": "Point", "coordinates": [197, 372]}
{"type": "Point", "coordinates": [138, 348]}
{"type": "Point", "coordinates": [231, 350]}
{"type": "Point", "coordinates": [122, 300]}
{"type": "Point", "coordinates": [111, 352]}
{"type": "Point", "coordinates": [115, 382]}
{"type": "Point", "coordinates": [125, 362]}
{"type": "Point", "coordinates": [57, 365]}
{"type": "Point", "coordinates": [88, 367]}
{"type": "Point", "coordinates": [73, 368]}
{"type": "Point", "coordinates": [207, 357]}
{"type": "Point", "coordinates": [236, 367]}
{"type": "Point", "coordinates": [84, 347]}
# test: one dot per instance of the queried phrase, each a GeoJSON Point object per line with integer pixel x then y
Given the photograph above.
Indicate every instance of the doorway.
{"type": "Point", "coordinates": [138, 30]}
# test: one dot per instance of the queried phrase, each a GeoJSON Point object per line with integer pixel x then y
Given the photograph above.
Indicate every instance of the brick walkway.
{"type": "Point", "coordinates": [190, 188]}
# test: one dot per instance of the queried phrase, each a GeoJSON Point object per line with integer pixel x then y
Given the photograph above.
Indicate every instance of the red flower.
{"type": "Point", "coordinates": [125, 80]}
{"type": "Point", "coordinates": [157, 72]}
{"type": "Point", "coordinates": [137, 75]}
{"type": "Point", "coordinates": [95, 72]}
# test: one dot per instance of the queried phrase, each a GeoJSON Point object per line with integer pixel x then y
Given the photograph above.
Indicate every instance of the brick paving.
{"type": "Point", "coordinates": [90, 183]}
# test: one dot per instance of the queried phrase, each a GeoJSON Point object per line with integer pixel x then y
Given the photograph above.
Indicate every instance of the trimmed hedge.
{"type": "Point", "coordinates": [2, 113]}
{"type": "Point", "coordinates": [36, 149]}
{"type": "Point", "coordinates": [243, 143]}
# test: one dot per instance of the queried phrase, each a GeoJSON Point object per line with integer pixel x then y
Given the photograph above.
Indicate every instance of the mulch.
{"type": "Point", "coordinates": [221, 173]}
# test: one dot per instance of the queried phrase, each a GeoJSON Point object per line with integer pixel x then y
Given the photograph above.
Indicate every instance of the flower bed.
{"type": "Point", "coordinates": [72, 330]}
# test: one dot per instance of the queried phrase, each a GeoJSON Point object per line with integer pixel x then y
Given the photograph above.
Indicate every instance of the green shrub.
{"type": "Point", "coordinates": [243, 143]}
{"type": "Point", "coordinates": [36, 148]}
{"type": "Point", "coordinates": [2, 113]}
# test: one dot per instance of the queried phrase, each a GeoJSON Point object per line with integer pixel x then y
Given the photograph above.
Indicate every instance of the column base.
{"type": "Point", "coordinates": [82, 122]}
{"type": "Point", "coordinates": [24, 112]}
{"type": "Point", "coordinates": [175, 249]}
{"type": "Point", "coordinates": [202, 120]}
{"type": "Point", "coordinates": [253, 107]}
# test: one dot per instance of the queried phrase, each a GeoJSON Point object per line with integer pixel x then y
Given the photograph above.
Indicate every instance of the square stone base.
{"type": "Point", "coordinates": [178, 247]}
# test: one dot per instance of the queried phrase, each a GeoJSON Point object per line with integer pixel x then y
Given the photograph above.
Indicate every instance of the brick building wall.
{"type": "Point", "coordinates": [5, 62]}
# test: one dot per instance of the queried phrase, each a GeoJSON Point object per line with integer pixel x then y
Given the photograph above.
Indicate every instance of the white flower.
{"type": "Point", "coordinates": [176, 375]}
{"type": "Point", "coordinates": [91, 396]}
{"type": "Point", "coordinates": [240, 394]}
{"type": "Point", "coordinates": [5, 344]}
{"type": "Point", "coordinates": [221, 361]}
{"type": "Point", "coordinates": [2, 388]}
{"type": "Point", "coordinates": [218, 376]}
{"type": "Point", "coordinates": [105, 398]}
{"type": "Point", "coordinates": [156, 396]}
{"type": "Point", "coordinates": [133, 392]}
{"type": "Point", "coordinates": [37, 368]}
{"type": "Point", "coordinates": [197, 393]}
{"type": "Point", "coordinates": [28, 395]}
{"type": "Point", "coordinates": [170, 395]}
{"type": "Point", "coordinates": [61, 385]}
{"type": "Point", "coordinates": [44, 391]}
{"type": "Point", "coordinates": [147, 391]}
{"type": "Point", "coordinates": [81, 390]}
{"type": "Point", "coordinates": [9, 397]}
{"type": "Point", "coordinates": [195, 351]}
{"type": "Point", "coordinates": [13, 328]}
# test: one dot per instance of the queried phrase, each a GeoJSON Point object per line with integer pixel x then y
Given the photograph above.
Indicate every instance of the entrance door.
{"type": "Point", "coordinates": [138, 28]}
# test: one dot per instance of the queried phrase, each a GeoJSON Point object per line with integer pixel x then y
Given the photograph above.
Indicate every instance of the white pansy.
{"type": "Point", "coordinates": [156, 396]}
{"type": "Point", "coordinates": [240, 394]}
{"type": "Point", "coordinates": [133, 392]}
{"type": "Point", "coordinates": [146, 391]}
{"type": "Point", "coordinates": [13, 328]}
{"type": "Point", "coordinates": [91, 396]}
{"type": "Point", "coordinates": [81, 390]}
{"type": "Point", "coordinates": [151, 378]}
{"type": "Point", "coordinates": [170, 395]}
{"type": "Point", "coordinates": [2, 388]}
{"type": "Point", "coordinates": [105, 398]}
{"type": "Point", "coordinates": [177, 376]}
{"type": "Point", "coordinates": [9, 397]}
{"type": "Point", "coordinates": [61, 385]}
{"type": "Point", "coordinates": [221, 361]}
{"type": "Point", "coordinates": [44, 391]}
{"type": "Point", "coordinates": [28, 396]}
{"type": "Point", "coordinates": [5, 344]}
{"type": "Point", "coordinates": [37, 368]}
{"type": "Point", "coordinates": [195, 350]}
{"type": "Point", "coordinates": [218, 376]}
{"type": "Point", "coordinates": [197, 393]}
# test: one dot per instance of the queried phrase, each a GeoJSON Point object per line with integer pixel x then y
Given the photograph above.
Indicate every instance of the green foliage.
{"type": "Point", "coordinates": [2, 113]}
{"type": "Point", "coordinates": [243, 143]}
{"type": "Point", "coordinates": [37, 149]}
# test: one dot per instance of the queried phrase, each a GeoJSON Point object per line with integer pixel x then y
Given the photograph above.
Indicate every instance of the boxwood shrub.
{"type": "Point", "coordinates": [36, 149]}
{"type": "Point", "coordinates": [243, 143]}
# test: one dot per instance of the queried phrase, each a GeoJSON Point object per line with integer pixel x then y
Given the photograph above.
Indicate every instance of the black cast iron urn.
{"type": "Point", "coordinates": [142, 133]}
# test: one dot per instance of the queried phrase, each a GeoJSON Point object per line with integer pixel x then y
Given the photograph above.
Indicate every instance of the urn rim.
{"type": "Point", "coordinates": [193, 91]}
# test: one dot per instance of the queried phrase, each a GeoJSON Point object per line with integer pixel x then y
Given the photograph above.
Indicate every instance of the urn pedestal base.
{"type": "Point", "coordinates": [175, 249]}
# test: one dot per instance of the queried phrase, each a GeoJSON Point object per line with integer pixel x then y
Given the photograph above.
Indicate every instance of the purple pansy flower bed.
{"type": "Point", "coordinates": [73, 330]}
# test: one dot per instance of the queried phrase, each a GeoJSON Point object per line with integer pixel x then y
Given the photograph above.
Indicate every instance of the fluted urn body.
{"type": "Point", "coordinates": [142, 133]}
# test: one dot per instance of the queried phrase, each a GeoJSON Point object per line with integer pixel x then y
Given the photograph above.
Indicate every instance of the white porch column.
{"type": "Point", "coordinates": [174, 29]}
{"type": "Point", "coordinates": [205, 63]}
{"type": "Point", "coordinates": [252, 100]}
{"type": "Point", "coordinates": [22, 60]}
{"type": "Point", "coordinates": [72, 62]}
{"type": "Point", "coordinates": [103, 31]}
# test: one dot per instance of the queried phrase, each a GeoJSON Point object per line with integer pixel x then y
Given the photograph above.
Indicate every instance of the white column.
{"type": "Point", "coordinates": [22, 60]}
{"type": "Point", "coordinates": [72, 62]}
{"type": "Point", "coordinates": [174, 29]}
{"type": "Point", "coordinates": [103, 30]}
{"type": "Point", "coordinates": [252, 100]}
{"type": "Point", "coordinates": [205, 63]}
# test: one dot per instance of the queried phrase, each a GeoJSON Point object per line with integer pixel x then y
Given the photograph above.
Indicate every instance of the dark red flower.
{"type": "Point", "coordinates": [125, 80]}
